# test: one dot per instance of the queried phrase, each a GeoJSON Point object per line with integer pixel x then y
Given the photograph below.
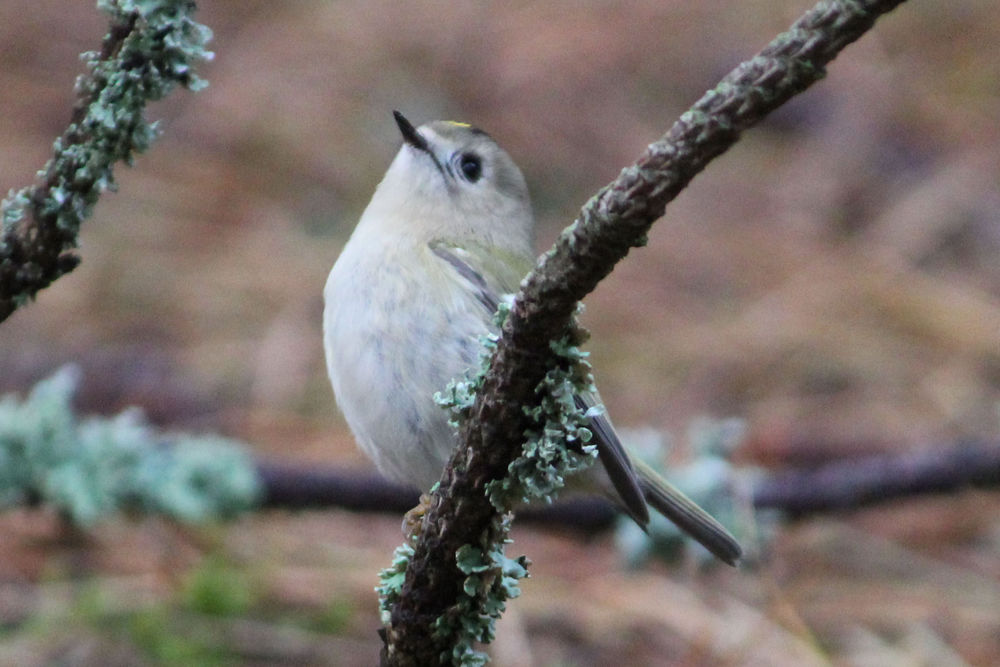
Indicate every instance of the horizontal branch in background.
{"type": "Point", "coordinates": [89, 468]}
{"type": "Point", "coordinates": [871, 480]}
{"type": "Point", "coordinates": [835, 486]}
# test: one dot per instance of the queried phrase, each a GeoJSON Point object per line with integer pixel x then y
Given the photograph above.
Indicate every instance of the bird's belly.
{"type": "Point", "coordinates": [387, 361]}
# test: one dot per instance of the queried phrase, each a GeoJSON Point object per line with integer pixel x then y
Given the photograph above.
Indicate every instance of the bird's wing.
{"type": "Point", "coordinates": [458, 259]}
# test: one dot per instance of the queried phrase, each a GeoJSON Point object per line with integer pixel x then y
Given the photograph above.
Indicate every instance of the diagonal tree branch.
{"type": "Point", "coordinates": [151, 47]}
{"type": "Point", "coordinates": [610, 224]}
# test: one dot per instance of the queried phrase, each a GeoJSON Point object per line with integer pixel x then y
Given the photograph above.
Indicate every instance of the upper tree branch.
{"type": "Point", "coordinates": [150, 48]}
{"type": "Point", "coordinates": [614, 221]}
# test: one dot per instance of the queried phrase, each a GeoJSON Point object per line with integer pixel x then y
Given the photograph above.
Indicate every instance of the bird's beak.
{"type": "Point", "coordinates": [409, 132]}
{"type": "Point", "coordinates": [413, 138]}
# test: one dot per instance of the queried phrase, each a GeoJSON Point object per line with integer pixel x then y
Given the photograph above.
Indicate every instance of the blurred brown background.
{"type": "Point", "coordinates": [833, 280]}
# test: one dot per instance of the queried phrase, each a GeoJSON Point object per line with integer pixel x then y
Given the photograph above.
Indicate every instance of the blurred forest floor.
{"type": "Point", "coordinates": [833, 280]}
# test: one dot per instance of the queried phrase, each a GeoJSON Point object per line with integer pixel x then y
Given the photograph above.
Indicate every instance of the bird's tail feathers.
{"type": "Point", "coordinates": [687, 515]}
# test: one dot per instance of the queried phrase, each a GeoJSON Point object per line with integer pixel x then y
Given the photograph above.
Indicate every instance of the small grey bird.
{"type": "Point", "coordinates": [448, 230]}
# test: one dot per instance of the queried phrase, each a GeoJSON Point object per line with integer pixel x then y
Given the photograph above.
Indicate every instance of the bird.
{"type": "Point", "coordinates": [448, 232]}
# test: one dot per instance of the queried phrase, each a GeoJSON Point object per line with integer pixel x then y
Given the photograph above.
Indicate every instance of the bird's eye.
{"type": "Point", "coordinates": [471, 166]}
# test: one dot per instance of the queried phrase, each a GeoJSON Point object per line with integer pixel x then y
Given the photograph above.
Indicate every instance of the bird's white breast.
{"type": "Point", "coordinates": [398, 325]}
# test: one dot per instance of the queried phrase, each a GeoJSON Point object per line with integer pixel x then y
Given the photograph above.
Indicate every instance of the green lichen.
{"type": "Point", "coordinates": [491, 578]}
{"type": "Point", "coordinates": [89, 469]}
{"type": "Point", "coordinates": [460, 394]}
{"type": "Point", "coordinates": [558, 442]}
{"type": "Point", "coordinates": [557, 445]}
{"type": "Point", "coordinates": [149, 64]}
{"type": "Point", "coordinates": [391, 581]}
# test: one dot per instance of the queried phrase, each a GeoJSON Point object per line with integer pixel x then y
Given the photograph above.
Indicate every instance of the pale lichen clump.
{"type": "Point", "coordinates": [89, 469]}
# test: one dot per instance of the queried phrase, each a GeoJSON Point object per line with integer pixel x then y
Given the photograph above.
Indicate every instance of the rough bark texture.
{"type": "Point", "coordinates": [150, 48]}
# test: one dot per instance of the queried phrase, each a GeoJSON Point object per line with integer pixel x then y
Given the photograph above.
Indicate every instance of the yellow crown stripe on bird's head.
{"type": "Point", "coordinates": [465, 126]}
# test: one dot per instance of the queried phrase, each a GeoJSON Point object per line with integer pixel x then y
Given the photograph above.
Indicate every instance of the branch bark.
{"type": "Point", "coordinates": [871, 480]}
{"type": "Point", "coordinates": [614, 221]}
{"type": "Point", "coordinates": [150, 48]}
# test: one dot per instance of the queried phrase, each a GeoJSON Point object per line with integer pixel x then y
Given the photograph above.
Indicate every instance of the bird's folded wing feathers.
{"type": "Point", "coordinates": [616, 462]}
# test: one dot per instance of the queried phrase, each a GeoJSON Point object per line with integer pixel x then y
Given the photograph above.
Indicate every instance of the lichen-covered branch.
{"type": "Point", "coordinates": [89, 468]}
{"type": "Point", "coordinates": [614, 221]}
{"type": "Point", "coordinates": [151, 47]}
